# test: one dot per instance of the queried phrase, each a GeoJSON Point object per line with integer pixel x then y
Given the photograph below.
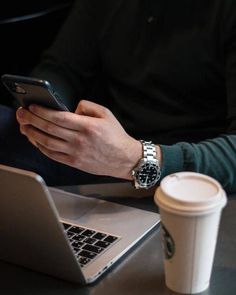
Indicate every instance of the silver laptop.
{"type": "Point", "coordinates": [65, 235]}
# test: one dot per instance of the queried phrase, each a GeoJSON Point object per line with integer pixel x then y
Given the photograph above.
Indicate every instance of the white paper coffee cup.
{"type": "Point", "coordinates": [190, 207]}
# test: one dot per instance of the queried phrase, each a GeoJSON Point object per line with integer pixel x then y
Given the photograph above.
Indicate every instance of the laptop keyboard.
{"type": "Point", "coordinates": [87, 243]}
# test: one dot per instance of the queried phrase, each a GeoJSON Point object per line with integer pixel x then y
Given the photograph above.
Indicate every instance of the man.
{"type": "Point", "coordinates": [160, 71]}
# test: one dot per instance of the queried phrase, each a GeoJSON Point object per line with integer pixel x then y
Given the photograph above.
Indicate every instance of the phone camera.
{"type": "Point", "coordinates": [18, 89]}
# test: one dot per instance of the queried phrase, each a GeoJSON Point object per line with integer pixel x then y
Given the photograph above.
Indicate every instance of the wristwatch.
{"type": "Point", "coordinates": [147, 173]}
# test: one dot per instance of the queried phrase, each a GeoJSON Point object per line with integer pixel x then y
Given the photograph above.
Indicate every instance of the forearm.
{"type": "Point", "coordinates": [215, 157]}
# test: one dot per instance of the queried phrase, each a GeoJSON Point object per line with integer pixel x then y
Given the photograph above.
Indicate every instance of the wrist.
{"type": "Point", "coordinates": [159, 155]}
{"type": "Point", "coordinates": [135, 154]}
{"type": "Point", "coordinates": [147, 172]}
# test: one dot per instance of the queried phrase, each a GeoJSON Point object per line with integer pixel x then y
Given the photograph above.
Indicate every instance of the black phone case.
{"type": "Point", "coordinates": [29, 91]}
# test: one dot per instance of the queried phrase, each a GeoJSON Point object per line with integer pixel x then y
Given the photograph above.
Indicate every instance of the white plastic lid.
{"type": "Point", "coordinates": [190, 193]}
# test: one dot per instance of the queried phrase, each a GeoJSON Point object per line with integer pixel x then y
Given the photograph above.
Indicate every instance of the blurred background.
{"type": "Point", "coordinates": [26, 29]}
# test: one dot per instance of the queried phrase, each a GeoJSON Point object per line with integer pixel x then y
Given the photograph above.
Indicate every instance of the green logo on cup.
{"type": "Point", "coordinates": [168, 243]}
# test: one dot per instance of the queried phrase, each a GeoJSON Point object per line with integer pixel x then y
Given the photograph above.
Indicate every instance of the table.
{"type": "Point", "coordinates": [141, 271]}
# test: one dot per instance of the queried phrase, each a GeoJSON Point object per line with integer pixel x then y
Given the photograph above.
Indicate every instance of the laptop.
{"type": "Point", "coordinates": [65, 235]}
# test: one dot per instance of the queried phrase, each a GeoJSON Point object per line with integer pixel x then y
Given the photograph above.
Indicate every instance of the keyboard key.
{"type": "Point", "coordinates": [79, 238]}
{"type": "Point", "coordinates": [70, 235]}
{"type": "Point", "coordinates": [77, 244]}
{"type": "Point", "coordinates": [90, 240]}
{"type": "Point", "coordinates": [99, 236]}
{"type": "Point", "coordinates": [110, 239]}
{"type": "Point", "coordinates": [88, 233]}
{"type": "Point", "coordinates": [83, 260]}
{"type": "Point", "coordinates": [102, 244]}
{"type": "Point", "coordinates": [66, 225]}
{"type": "Point", "coordinates": [76, 229]}
{"type": "Point", "coordinates": [92, 248]}
{"type": "Point", "coordinates": [87, 254]}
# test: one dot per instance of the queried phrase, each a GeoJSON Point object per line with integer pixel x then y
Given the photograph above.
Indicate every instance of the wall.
{"type": "Point", "coordinates": [26, 30]}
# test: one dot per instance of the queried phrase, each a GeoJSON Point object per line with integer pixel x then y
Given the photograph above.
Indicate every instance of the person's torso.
{"type": "Point", "coordinates": [164, 66]}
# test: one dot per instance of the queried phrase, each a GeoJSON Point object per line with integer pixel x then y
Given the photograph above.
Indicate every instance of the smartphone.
{"type": "Point", "coordinates": [27, 91]}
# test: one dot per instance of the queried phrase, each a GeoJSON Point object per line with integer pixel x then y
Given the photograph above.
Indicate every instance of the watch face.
{"type": "Point", "coordinates": [148, 175]}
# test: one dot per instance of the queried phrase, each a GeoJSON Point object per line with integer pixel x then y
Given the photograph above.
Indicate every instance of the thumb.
{"type": "Point", "coordinates": [92, 109]}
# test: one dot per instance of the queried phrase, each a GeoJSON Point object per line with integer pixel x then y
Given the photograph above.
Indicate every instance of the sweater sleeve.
{"type": "Point", "coordinates": [215, 157]}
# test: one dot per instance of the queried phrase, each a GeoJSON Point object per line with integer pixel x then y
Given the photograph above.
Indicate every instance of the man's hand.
{"type": "Point", "coordinates": [91, 139]}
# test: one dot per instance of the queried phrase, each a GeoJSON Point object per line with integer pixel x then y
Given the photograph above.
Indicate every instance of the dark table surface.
{"type": "Point", "coordinates": [141, 271]}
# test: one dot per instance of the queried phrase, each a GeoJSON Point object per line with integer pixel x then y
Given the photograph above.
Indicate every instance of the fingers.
{"type": "Point", "coordinates": [54, 155]}
{"type": "Point", "coordinates": [86, 115]}
{"type": "Point", "coordinates": [25, 117]}
{"type": "Point", "coordinates": [92, 109]}
{"type": "Point", "coordinates": [68, 120]}
{"type": "Point", "coordinates": [42, 132]}
{"type": "Point", "coordinates": [39, 138]}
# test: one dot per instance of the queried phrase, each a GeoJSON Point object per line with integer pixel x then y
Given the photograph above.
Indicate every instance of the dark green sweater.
{"type": "Point", "coordinates": [167, 70]}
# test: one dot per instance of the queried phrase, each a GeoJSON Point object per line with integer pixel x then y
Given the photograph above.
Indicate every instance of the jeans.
{"type": "Point", "coordinates": [17, 151]}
